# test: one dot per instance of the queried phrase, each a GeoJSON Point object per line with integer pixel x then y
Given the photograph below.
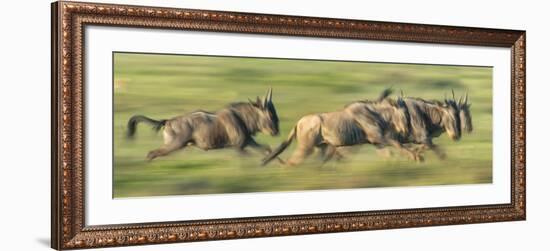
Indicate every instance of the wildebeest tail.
{"type": "Point", "coordinates": [134, 120]}
{"type": "Point", "coordinates": [281, 147]}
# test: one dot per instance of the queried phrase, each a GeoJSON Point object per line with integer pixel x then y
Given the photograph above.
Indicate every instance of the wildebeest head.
{"type": "Point", "coordinates": [268, 121]}
{"type": "Point", "coordinates": [465, 115]}
{"type": "Point", "coordinates": [450, 118]}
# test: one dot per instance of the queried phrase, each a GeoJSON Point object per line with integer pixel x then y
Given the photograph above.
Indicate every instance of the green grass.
{"type": "Point", "coordinates": [163, 86]}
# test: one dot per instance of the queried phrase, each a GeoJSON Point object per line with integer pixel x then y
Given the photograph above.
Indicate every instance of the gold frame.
{"type": "Point", "coordinates": [68, 228]}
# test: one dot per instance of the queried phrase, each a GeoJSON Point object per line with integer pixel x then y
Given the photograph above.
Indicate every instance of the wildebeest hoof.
{"type": "Point", "coordinates": [282, 162]}
{"type": "Point", "coordinates": [150, 156]}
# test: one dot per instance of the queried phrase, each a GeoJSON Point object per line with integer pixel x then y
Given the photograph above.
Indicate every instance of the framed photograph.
{"type": "Point", "coordinates": [177, 125]}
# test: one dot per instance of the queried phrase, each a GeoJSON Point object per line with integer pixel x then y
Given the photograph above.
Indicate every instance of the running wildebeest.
{"type": "Point", "coordinates": [233, 126]}
{"type": "Point", "coordinates": [429, 119]}
{"type": "Point", "coordinates": [376, 122]}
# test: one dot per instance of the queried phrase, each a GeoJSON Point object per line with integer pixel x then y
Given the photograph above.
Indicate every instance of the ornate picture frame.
{"type": "Point", "coordinates": [69, 230]}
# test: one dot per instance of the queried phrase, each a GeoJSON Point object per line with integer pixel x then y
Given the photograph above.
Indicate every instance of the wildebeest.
{"type": "Point", "coordinates": [433, 122]}
{"type": "Point", "coordinates": [232, 126]}
{"type": "Point", "coordinates": [411, 121]}
{"type": "Point", "coordinates": [429, 119]}
{"type": "Point", "coordinates": [376, 122]}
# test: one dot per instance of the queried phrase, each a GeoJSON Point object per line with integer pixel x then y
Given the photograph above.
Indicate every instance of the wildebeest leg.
{"type": "Point", "coordinates": [375, 135]}
{"type": "Point", "coordinates": [163, 150]}
{"type": "Point", "coordinates": [384, 152]}
{"type": "Point", "coordinates": [339, 156]}
{"type": "Point", "coordinates": [172, 142]}
{"type": "Point", "coordinates": [242, 151]}
{"type": "Point", "coordinates": [379, 140]}
{"type": "Point", "coordinates": [439, 152]}
{"type": "Point", "coordinates": [299, 155]}
{"type": "Point", "coordinates": [325, 151]}
{"type": "Point", "coordinates": [398, 145]}
{"type": "Point", "coordinates": [264, 149]}
{"type": "Point", "coordinates": [322, 151]}
{"type": "Point", "coordinates": [306, 142]}
{"type": "Point", "coordinates": [241, 148]}
{"type": "Point", "coordinates": [418, 149]}
{"type": "Point", "coordinates": [308, 135]}
{"type": "Point", "coordinates": [328, 151]}
{"type": "Point", "coordinates": [341, 151]}
{"type": "Point", "coordinates": [436, 149]}
{"type": "Point", "coordinates": [242, 143]}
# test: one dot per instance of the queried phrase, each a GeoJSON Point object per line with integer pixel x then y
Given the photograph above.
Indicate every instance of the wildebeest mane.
{"type": "Point", "coordinates": [450, 102]}
{"type": "Point", "coordinates": [246, 114]}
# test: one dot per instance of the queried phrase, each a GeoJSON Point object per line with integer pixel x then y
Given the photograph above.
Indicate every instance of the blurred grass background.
{"type": "Point", "coordinates": [164, 86]}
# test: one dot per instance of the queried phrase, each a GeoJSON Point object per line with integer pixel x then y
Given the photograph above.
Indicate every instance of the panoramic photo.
{"type": "Point", "coordinates": [194, 124]}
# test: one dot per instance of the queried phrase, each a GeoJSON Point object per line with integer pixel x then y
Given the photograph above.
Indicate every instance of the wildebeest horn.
{"type": "Point", "coordinates": [466, 99]}
{"type": "Point", "coordinates": [453, 92]}
{"type": "Point", "coordinates": [259, 101]}
{"type": "Point", "coordinates": [267, 98]}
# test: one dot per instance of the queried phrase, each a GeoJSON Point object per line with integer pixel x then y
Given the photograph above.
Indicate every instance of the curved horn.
{"type": "Point", "coordinates": [453, 92]}
{"type": "Point", "coordinates": [267, 97]}
{"type": "Point", "coordinates": [466, 99]}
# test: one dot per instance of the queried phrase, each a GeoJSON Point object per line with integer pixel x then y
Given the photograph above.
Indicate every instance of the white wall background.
{"type": "Point", "coordinates": [25, 124]}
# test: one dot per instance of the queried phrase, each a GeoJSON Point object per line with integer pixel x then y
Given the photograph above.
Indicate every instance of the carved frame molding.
{"type": "Point", "coordinates": [68, 226]}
